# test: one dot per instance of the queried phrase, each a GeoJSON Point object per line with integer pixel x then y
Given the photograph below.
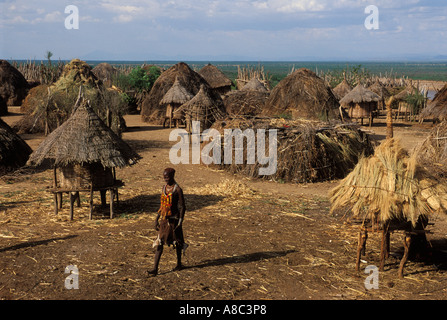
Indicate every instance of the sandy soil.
{"type": "Point", "coordinates": [259, 240]}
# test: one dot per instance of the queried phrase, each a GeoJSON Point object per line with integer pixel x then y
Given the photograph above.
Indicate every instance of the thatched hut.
{"type": "Point", "coordinates": [203, 107]}
{"type": "Point", "coordinates": [302, 95]}
{"type": "Point", "coordinates": [48, 106]}
{"type": "Point", "coordinates": [84, 153]}
{"type": "Point", "coordinates": [105, 72]}
{"type": "Point", "coordinates": [172, 100]}
{"type": "Point", "coordinates": [382, 92]}
{"type": "Point", "coordinates": [13, 85]}
{"type": "Point", "coordinates": [360, 103]}
{"type": "Point", "coordinates": [14, 151]}
{"type": "Point", "coordinates": [151, 110]}
{"type": "Point", "coordinates": [307, 151]}
{"type": "Point", "coordinates": [389, 191]}
{"type": "Point", "coordinates": [437, 108]}
{"type": "Point", "coordinates": [254, 85]}
{"type": "Point", "coordinates": [217, 80]}
{"type": "Point", "coordinates": [432, 153]}
{"type": "Point", "coordinates": [342, 89]}
{"type": "Point", "coordinates": [403, 108]}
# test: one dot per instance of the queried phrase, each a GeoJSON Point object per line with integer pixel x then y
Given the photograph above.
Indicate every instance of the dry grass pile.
{"type": "Point", "coordinates": [390, 185]}
{"type": "Point", "coordinates": [47, 106]}
{"type": "Point", "coordinates": [432, 153]}
{"type": "Point", "coordinates": [307, 151]}
{"type": "Point", "coordinates": [245, 102]}
{"type": "Point", "coordinates": [13, 85]}
{"type": "Point", "coordinates": [437, 109]}
{"type": "Point", "coordinates": [303, 95]}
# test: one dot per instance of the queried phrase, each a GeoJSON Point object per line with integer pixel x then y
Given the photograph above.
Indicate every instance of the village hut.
{"type": "Point", "coordinates": [151, 110]}
{"type": "Point", "coordinates": [386, 192]}
{"type": "Point", "coordinates": [105, 72]}
{"type": "Point", "coordinates": [306, 151]}
{"type": "Point", "coordinates": [342, 89]}
{"type": "Point", "coordinates": [437, 108]}
{"type": "Point", "coordinates": [401, 99]}
{"type": "Point", "coordinates": [302, 95]}
{"type": "Point", "coordinates": [432, 153]}
{"type": "Point", "coordinates": [204, 108]}
{"type": "Point", "coordinates": [217, 80]}
{"type": "Point", "coordinates": [84, 153]}
{"type": "Point", "coordinates": [14, 151]}
{"type": "Point", "coordinates": [382, 92]}
{"type": "Point", "coordinates": [245, 102]}
{"type": "Point", "coordinates": [47, 106]}
{"type": "Point", "coordinates": [254, 85]}
{"type": "Point", "coordinates": [13, 85]}
{"type": "Point", "coordinates": [360, 103]}
{"type": "Point", "coordinates": [173, 99]}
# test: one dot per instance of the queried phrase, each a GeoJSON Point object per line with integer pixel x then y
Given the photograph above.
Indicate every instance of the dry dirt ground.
{"type": "Point", "coordinates": [248, 239]}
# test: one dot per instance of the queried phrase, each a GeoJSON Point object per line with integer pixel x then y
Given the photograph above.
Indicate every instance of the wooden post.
{"type": "Point", "coordinates": [91, 203]}
{"type": "Point", "coordinates": [407, 243]}
{"type": "Point", "coordinates": [55, 203]}
{"type": "Point", "coordinates": [384, 246]}
{"type": "Point", "coordinates": [361, 247]}
{"type": "Point", "coordinates": [72, 199]}
{"type": "Point", "coordinates": [55, 193]}
{"type": "Point", "coordinates": [111, 192]}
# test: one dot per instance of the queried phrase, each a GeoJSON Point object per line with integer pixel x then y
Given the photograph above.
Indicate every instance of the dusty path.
{"type": "Point", "coordinates": [249, 239]}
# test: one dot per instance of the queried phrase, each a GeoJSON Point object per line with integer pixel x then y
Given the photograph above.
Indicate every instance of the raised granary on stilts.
{"type": "Point", "coordinates": [342, 89]}
{"type": "Point", "coordinates": [217, 80]}
{"type": "Point", "coordinates": [361, 103]}
{"type": "Point", "coordinates": [387, 192]}
{"type": "Point", "coordinates": [84, 154]}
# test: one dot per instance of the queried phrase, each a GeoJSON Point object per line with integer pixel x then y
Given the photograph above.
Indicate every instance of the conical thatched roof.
{"type": "Point", "coordinates": [359, 95]}
{"type": "Point", "coordinates": [83, 139]}
{"type": "Point", "coordinates": [13, 85]}
{"type": "Point", "coordinates": [178, 94]}
{"type": "Point", "coordinates": [215, 77]}
{"type": "Point", "coordinates": [410, 89]}
{"type": "Point", "coordinates": [105, 71]}
{"type": "Point", "coordinates": [380, 90]}
{"type": "Point", "coordinates": [389, 185]}
{"type": "Point", "coordinates": [151, 110]}
{"type": "Point", "coordinates": [254, 85]}
{"type": "Point", "coordinates": [14, 151]}
{"type": "Point", "coordinates": [303, 95]}
{"type": "Point", "coordinates": [438, 107]}
{"type": "Point", "coordinates": [342, 89]}
{"type": "Point", "coordinates": [204, 107]}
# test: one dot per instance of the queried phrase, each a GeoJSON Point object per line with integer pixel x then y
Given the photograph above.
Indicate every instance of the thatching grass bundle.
{"type": "Point", "coordinates": [390, 185]}
{"type": "Point", "coordinates": [47, 106]}
{"type": "Point", "coordinates": [432, 153]}
{"type": "Point", "coordinates": [307, 151]}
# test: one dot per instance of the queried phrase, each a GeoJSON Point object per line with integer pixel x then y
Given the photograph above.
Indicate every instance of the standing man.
{"type": "Point", "coordinates": [169, 220]}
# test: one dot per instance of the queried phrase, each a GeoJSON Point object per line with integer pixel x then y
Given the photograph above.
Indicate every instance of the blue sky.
{"type": "Point", "coordinates": [256, 30]}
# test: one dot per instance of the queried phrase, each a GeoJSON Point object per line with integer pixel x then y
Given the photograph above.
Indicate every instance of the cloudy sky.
{"type": "Point", "coordinates": [256, 30]}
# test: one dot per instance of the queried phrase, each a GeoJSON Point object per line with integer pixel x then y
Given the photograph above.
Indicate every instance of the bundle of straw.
{"type": "Point", "coordinates": [390, 185]}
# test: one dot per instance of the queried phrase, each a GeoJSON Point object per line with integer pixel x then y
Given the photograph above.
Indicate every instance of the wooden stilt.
{"type": "Point", "coordinates": [91, 203]}
{"type": "Point", "coordinates": [78, 199]}
{"type": "Point", "coordinates": [361, 247]}
{"type": "Point", "coordinates": [72, 199]}
{"type": "Point", "coordinates": [55, 203]}
{"type": "Point", "coordinates": [112, 193]}
{"type": "Point", "coordinates": [103, 197]}
{"type": "Point", "coordinates": [407, 243]}
{"type": "Point", "coordinates": [383, 249]}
